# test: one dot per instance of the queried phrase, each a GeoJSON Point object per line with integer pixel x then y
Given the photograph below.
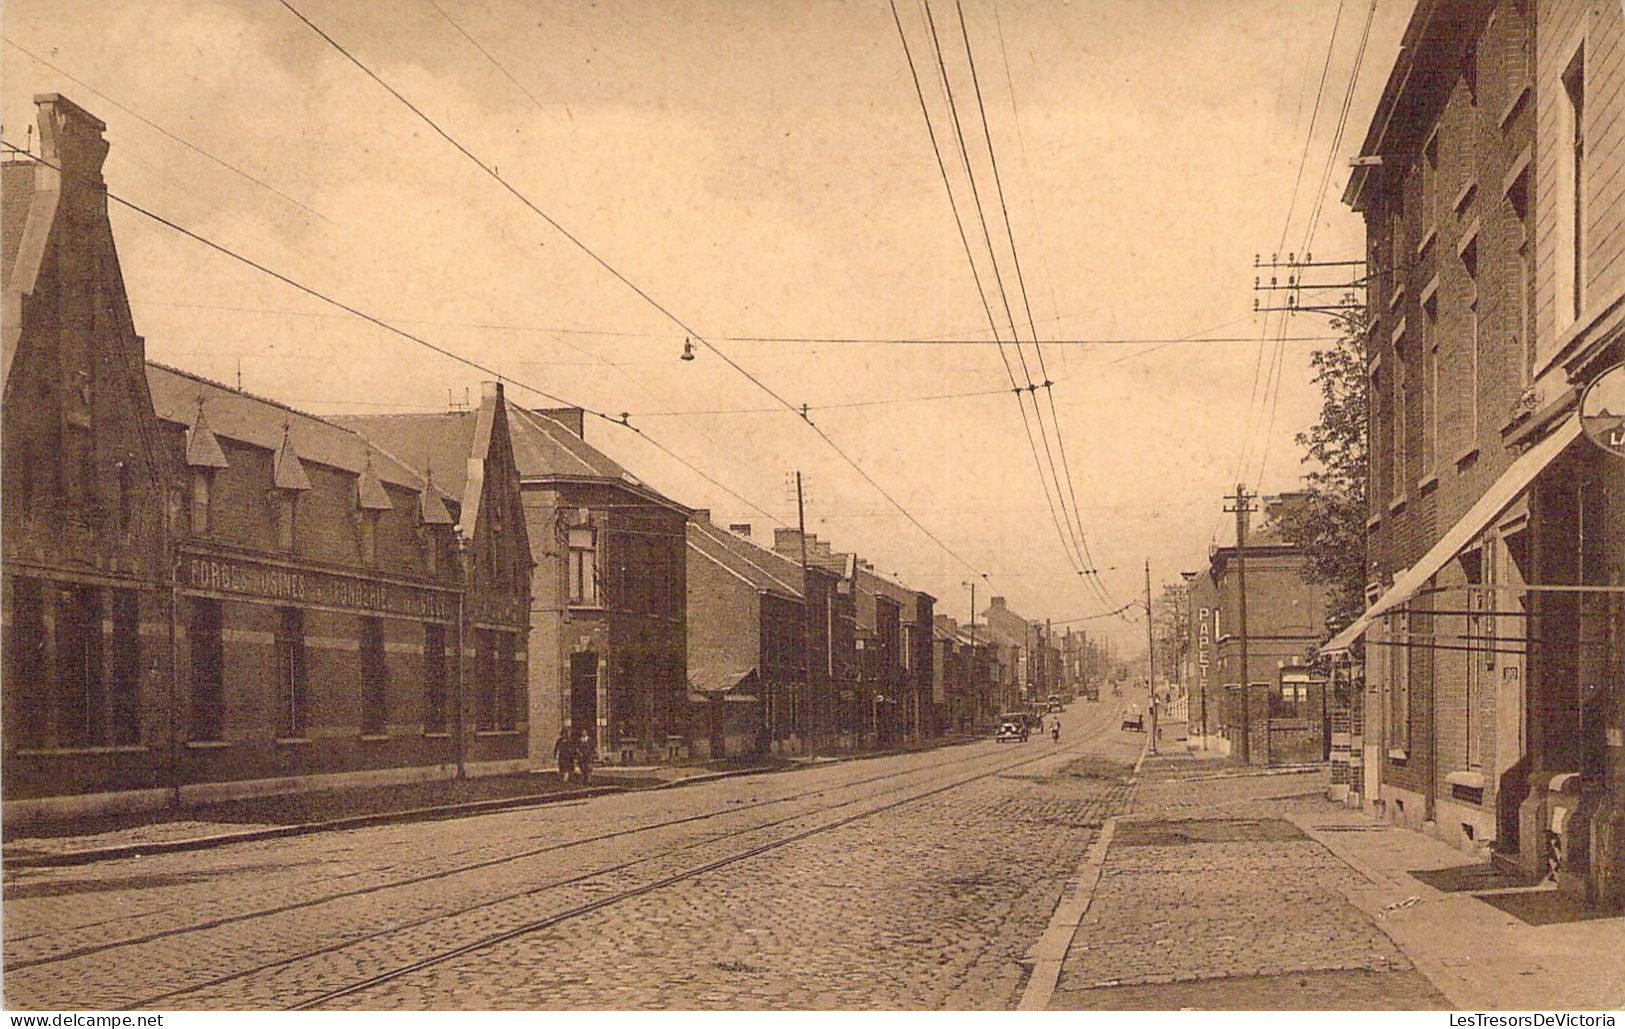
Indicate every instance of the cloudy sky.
{"type": "Point", "coordinates": [759, 170]}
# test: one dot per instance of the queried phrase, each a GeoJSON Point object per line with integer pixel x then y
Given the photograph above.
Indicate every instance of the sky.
{"type": "Point", "coordinates": [762, 170]}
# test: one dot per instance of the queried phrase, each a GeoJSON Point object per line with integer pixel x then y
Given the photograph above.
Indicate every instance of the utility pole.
{"type": "Point", "coordinates": [1150, 659]}
{"type": "Point", "coordinates": [970, 665]}
{"type": "Point", "coordinates": [807, 705]}
{"type": "Point", "coordinates": [1242, 506]}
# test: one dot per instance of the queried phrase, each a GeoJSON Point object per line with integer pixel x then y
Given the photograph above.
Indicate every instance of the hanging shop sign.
{"type": "Point", "coordinates": [1602, 410]}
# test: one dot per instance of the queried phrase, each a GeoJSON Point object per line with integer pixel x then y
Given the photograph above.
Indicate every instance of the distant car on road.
{"type": "Point", "coordinates": [1013, 728]}
{"type": "Point", "coordinates": [1133, 721]}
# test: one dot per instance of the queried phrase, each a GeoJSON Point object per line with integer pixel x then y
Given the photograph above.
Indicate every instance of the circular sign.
{"type": "Point", "coordinates": [1602, 410]}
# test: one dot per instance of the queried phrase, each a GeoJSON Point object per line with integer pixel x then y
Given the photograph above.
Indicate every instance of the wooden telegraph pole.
{"type": "Point", "coordinates": [1150, 661]}
{"type": "Point", "coordinates": [807, 705]}
{"type": "Point", "coordinates": [1241, 504]}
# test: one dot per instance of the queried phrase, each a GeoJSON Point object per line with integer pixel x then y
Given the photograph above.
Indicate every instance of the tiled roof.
{"type": "Point", "coordinates": [542, 447]}
{"type": "Point", "coordinates": [760, 567]}
{"type": "Point", "coordinates": [179, 396]}
{"type": "Point", "coordinates": [436, 443]}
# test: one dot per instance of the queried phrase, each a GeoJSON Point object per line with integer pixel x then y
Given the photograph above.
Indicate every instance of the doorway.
{"type": "Point", "coordinates": [584, 693]}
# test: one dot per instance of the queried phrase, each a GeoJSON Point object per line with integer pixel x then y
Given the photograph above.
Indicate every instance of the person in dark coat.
{"type": "Point", "coordinates": [564, 751]}
{"type": "Point", "coordinates": [584, 757]}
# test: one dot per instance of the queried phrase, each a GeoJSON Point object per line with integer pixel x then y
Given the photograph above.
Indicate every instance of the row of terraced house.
{"type": "Point", "coordinates": [1489, 664]}
{"type": "Point", "coordinates": [209, 594]}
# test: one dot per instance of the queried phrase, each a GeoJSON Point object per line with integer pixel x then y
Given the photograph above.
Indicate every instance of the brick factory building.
{"type": "Point", "coordinates": [608, 647]}
{"type": "Point", "coordinates": [208, 594]}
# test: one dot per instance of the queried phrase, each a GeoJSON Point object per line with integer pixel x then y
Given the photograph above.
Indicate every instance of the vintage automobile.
{"type": "Point", "coordinates": [1133, 721]}
{"type": "Point", "coordinates": [1012, 728]}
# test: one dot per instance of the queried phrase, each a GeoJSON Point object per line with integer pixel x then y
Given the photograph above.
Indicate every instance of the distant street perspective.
{"type": "Point", "coordinates": [918, 505]}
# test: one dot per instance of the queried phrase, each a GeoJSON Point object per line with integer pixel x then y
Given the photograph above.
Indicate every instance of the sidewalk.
{"type": "Point", "coordinates": [1176, 759]}
{"type": "Point", "coordinates": [1247, 889]}
{"type": "Point", "coordinates": [95, 839]}
{"type": "Point", "coordinates": [1485, 941]}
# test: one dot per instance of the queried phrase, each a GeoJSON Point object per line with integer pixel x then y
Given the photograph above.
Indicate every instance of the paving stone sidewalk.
{"type": "Point", "coordinates": [1245, 891]}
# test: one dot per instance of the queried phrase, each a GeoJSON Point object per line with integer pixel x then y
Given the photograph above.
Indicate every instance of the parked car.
{"type": "Point", "coordinates": [1133, 721]}
{"type": "Point", "coordinates": [1014, 728]}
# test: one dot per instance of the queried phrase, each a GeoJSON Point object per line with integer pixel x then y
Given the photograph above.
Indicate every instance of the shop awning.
{"type": "Point", "coordinates": [1495, 500]}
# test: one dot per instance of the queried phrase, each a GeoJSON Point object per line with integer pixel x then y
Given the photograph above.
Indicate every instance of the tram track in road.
{"type": "Point", "coordinates": [549, 921]}
{"type": "Point", "coordinates": [461, 869]}
{"type": "Point", "coordinates": [586, 878]}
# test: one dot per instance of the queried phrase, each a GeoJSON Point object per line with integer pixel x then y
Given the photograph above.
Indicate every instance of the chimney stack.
{"type": "Point", "coordinates": [572, 418]}
{"type": "Point", "coordinates": [741, 529]}
{"type": "Point", "coordinates": [71, 138]}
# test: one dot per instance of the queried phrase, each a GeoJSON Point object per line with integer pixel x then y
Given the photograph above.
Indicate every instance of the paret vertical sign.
{"type": "Point", "coordinates": [1204, 637]}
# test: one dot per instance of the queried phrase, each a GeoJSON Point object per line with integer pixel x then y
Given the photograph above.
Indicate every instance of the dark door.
{"type": "Point", "coordinates": [584, 693]}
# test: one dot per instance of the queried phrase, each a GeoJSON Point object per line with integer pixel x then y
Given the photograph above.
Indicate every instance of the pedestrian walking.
{"type": "Point", "coordinates": [584, 757]}
{"type": "Point", "coordinates": [564, 752]}
{"type": "Point", "coordinates": [1055, 731]}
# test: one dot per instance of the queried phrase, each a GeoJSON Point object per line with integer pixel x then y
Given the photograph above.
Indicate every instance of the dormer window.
{"type": "Point", "coordinates": [204, 457]}
{"type": "Point", "coordinates": [289, 479]}
{"type": "Point", "coordinates": [371, 502]}
{"type": "Point", "coordinates": [433, 517]}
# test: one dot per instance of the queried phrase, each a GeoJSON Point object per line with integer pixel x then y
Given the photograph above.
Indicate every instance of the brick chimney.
{"type": "Point", "coordinates": [787, 542]}
{"type": "Point", "coordinates": [71, 138]}
{"type": "Point", "coordinates": [701, 515]}
{"type": "Point", "coordinates": [740, 529]}
{"type": "Point", "coordinates": [572, 418]}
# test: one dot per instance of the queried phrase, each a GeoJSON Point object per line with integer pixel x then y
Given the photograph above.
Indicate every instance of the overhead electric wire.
{"type": "Point", "coordinates": [964, 239]}
{"type": "Point", "coordinates": [1314, 217]}
{"type": "Point", "coordinates": [1063, 524]}
{"type": "Point", "coordinates": [1123, 609]}
{"type": "Point", "coordinates": [396, 330]}
{"type": "Point", "coordinates": [188, 144]}
{"type": "Point", "coordinates": [1255, 417]}
{"type": "Point", "coordinates": [623, 279]}
{"type": "Point", "coordinates": [1081, 538]}
{"type": "Point", "coordinates": [956, 340]}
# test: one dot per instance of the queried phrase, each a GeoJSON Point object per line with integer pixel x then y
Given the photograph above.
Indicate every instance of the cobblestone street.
{"type": "Point", "coordinates": [917, 880]}
{"type": "Point", "coordinates": [937, 879]}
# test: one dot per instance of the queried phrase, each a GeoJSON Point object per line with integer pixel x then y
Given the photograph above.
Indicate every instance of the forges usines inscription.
{"type": "Point", "coordinates": [304, 587]}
